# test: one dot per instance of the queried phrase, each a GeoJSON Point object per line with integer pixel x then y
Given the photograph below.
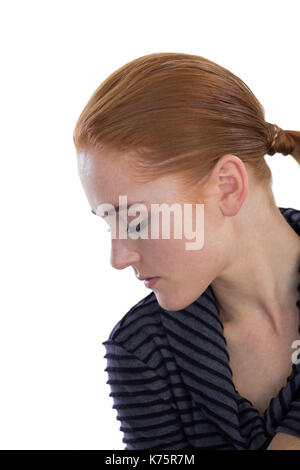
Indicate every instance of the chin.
{"type": "Point", "coordinates": [172, 303]}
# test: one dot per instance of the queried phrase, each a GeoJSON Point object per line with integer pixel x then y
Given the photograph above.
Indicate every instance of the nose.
{"type": "Point", "coordinates": [123, 253]}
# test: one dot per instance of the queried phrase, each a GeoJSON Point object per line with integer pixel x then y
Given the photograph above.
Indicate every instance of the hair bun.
{"type": "Point", "coordinates": [279, 141]}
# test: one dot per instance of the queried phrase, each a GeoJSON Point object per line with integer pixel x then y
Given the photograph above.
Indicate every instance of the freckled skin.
{"type": "Point", "coordinates": [185, 274]}
{"type": "Point", "coordinates": [243, 256]}
{"type": "Point", "coordinates": [249, 249]}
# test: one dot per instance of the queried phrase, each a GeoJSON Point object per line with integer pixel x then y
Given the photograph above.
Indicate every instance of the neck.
{"type": "Point", "coordinates": [259, 281]}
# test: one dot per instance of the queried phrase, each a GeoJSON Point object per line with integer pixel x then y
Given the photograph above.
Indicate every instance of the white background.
{"type": "Point", "coordinates": [60, 298]}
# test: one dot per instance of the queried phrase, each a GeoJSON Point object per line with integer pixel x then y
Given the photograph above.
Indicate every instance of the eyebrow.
{"type": "Point", "coordinates": [118, 208]}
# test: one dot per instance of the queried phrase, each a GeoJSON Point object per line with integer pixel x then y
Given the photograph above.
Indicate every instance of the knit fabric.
{"type": "Point", "coordinates": [172, 386]}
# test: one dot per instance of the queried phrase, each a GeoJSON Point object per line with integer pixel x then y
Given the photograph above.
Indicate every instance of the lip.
{"type": "Point", "coordinates": [145, 278]}
{"type": "Point", "coordinates": [151, 281]}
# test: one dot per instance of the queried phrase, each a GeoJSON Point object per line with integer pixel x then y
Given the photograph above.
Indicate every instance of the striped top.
{"type": "Point", "coordinates": [172, 385]}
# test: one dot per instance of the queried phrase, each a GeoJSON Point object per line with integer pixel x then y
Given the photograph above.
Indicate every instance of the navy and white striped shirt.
{"type": "Point", "coordinates": [172, 386]}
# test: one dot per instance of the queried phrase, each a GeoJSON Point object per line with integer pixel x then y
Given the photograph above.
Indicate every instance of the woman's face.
{"type": "Point", "coordinates": [183, 274]}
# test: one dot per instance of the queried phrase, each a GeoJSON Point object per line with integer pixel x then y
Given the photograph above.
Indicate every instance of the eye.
{"type": "Point", "coordinates": [137, 227]}
{"type": "Point", "coordinates": [133, 229]}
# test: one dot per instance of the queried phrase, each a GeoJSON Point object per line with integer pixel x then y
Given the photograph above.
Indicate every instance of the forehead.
{"type": "Point", "coordinates": [106, 165]}
{"type": "Point", "coordinates": [107, 174]}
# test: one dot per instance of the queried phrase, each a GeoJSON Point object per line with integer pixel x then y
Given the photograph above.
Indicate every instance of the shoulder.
{"type": "Point", "coordinates": [136, 365]}
{"type": "Point", "coordinates": [292, 216]}
{"type": "Point", "coordinates": [142, 321]}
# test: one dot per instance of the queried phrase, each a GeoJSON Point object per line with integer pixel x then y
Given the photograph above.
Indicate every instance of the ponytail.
{"type": "Point", "coordinates": [285, 142]}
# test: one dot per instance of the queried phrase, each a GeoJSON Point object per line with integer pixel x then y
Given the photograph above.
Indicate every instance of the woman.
{"type": "Point", "coordinates": [208, 359]}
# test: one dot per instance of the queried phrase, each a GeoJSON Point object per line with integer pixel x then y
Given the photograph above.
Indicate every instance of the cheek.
{"type": "Point", "coordinates": [164, 253]}
{"type": "Point", "coordinates": [175, 257]}
{"type": "Point", "coordinates": [158, 251]}
{"type": "Point", "coordinates": [194, 267]}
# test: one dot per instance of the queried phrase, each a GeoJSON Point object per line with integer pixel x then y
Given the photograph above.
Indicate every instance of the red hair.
{"type": "Point", "coordinates": [178, 113]}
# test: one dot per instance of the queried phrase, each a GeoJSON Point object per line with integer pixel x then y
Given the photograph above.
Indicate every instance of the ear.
{"type": "Point", "coordinates": [231, 179]}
